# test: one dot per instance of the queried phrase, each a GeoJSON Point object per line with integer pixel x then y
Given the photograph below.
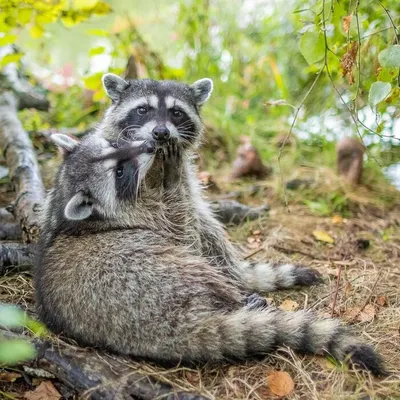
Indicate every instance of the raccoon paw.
{"type": "Point", "coordinates": [172, 151]}
{"type": "Point", "coordinates": [255, 301]}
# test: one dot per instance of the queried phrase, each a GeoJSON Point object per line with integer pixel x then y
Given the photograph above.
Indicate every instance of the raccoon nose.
{"type": "Point", "coordinates": [161, 133]}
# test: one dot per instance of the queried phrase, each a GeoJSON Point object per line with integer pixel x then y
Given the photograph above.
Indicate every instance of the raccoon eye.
{"type": "Point", "coordinates": [177, 113]}
{"type": "Point", "coordinates": [142, 110]}
{"type": "Point", "coordinates": [119, 172]}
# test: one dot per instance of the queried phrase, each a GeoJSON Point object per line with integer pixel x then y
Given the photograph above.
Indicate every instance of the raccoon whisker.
{"type": "Point", "coordinates": [184, 124]}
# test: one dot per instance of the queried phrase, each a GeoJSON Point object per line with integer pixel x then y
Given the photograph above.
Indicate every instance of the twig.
{"type": "Point", "coordinates": [337, 290]}
{"type": "Point", "coordinates": [294, 251]}
{"type": "Point", "coordinates": [253, 253]}
{"type": "Point", "coordinates": [83, 371]}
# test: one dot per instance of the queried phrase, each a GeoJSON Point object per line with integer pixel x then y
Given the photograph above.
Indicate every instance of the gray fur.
{"type": "Point", "coordinates": [154, 276]}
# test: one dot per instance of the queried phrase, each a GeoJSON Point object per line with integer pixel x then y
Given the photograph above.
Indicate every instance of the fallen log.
{"type": "Point", "coordinates": [15, 254]}
{"type": "Point", "coordinates": [10, 231]}
{"type": "Point", "coordinates": [98, 376]}
{"type": "Point", "coordinates": [235, 213]}
{"type": "Point", "coordinates": [24, 169]}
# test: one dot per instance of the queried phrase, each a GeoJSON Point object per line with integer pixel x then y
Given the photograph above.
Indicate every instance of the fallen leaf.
{"type": "Point", "coordinates": [323, 236]}
{"type": "Point", "coordinates": [6, 376]}
{"type": "Point", "coordinates": [257, 232]}
{"type": "Point", "coordinates": [347, 289]}
{"type": "Point", "coordinates": [280, 383]}
{"type": "Point", "coordinates": [366, 315]}
{"type": "Point", "coordinates": [289, 305]}
{"type": "Point", "coordinates": [347, 22]}
{"type": "Point", "coordinates": [381, 301]}
{"type": "Point", "coordinates": [251, 239]}
{"type": "Point", "coordinates": [337, 219]}
{"type": "Point", "coordinates": [45, 391]}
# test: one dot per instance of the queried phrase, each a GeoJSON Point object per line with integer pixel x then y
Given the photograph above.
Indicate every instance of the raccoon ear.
{"type": "Point", "coordinates": [79, 207]}
{"type": "Point", "coordinates": [113, 85]}
{"type": "Point", "coordinates": [66, 143]}
{"type": "Point", "coordinates": [202, 90]}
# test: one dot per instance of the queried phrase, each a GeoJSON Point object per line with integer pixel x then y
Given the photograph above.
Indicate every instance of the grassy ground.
{"type": "Point", "coordinates": [366, 296]}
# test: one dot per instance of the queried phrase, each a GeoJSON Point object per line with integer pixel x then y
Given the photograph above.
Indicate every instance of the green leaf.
{"type": "Point", "coordinates": [378, 92]}
{"type": "Point", "coordinates": [97, 50]}
{"type": "Point", "coordinates": [9, 58]}
{"type": "Point", "coordinates": [7, 39]}
{"type": "Point", "coordinates": [390, 57]}
{"type": "Point", "coordinates": [312, 47]}
{"type": "Point", "coordinates": [11, 316]}
{"type": "Point", "coordinates": [387, 74]}
{"type": "Point", "coordinates": [14, 351]}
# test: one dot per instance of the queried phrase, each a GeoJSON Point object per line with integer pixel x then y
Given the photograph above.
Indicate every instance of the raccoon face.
{"type": "Point", "coordinates": [154, 110]}
{"type": "Point", "coordinates": [96, 179]}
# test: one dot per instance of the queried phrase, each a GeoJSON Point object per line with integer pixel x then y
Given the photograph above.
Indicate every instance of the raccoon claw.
{"type": "Point", "coordinates": [255, 301]}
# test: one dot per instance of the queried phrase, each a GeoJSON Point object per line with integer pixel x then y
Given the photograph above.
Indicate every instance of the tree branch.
{"type": "Point", "coordinates": [24, 169]}
{"type": "Point", "coordinates": [99, 376]}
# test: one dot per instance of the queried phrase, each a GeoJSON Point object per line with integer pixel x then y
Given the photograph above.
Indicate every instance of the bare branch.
{"type": "Point", "coordinates": [24, 169]}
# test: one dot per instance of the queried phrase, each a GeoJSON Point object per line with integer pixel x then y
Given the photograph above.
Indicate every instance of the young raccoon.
{"type": "Point", "coordinates": [163, 110]}
{"type": "Point", "coordinates": [113, 273]}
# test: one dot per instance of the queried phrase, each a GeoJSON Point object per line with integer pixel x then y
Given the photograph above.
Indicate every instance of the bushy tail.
{"type": "Point", "coordinates": [266, 277]}
{"type": "Point", "coordinates": [245, 333]}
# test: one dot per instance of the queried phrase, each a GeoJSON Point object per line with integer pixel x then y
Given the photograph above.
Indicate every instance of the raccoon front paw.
{"type": "Point", "coordinates": [171, 151]}
{"type": "Point", "coordinates": [255, 302]}
{"type": "Point", "coordinates": [172, 164]}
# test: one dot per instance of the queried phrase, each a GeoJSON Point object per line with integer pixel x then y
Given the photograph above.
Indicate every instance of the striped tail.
{"type": "Point", "coordinates": [268, 277]}
{"type": "Point", "coordinates": [245, 333]}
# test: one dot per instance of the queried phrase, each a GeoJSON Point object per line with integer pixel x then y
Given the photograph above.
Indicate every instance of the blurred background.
{"type": "Point", "coordinates": [293, 76]}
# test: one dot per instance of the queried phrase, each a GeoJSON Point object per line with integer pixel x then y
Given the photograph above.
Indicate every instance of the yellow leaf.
{"type": "Point", "coordinates": [337, 219]}
{"type": "Point", "coordinates": [96, 50]}
{"type": "Point", "coordinates": [280, 383]}
{"type": "Point", "coordinates": [101, 8]}
{"type": "Point", "coordinates": [25, 15]}
{"type": "Point", "coordinates": [9, 58]}
{"type": "Point", "coordinates": [7, 39]}
{"type": "Point", "coordinates": [98, 32]}
{"type": "Point", "coordinates": [36, 31]}
{"type": "Point", "coordinates": [84, 4]}
{"type": "Point", "coordinates": [93, 82]}
{"type": "Point", "coordinates": [99, 95]}
{"type": "Point", "coordinates": [289, 305]}
{"type": "Point", "coordinates": [323, 236]}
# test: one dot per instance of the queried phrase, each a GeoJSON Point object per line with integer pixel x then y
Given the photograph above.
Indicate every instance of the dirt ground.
{"type": "Point", "coordinates": [365, 254]}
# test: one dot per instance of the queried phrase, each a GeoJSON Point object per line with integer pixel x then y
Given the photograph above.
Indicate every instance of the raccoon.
{"type": "Point", "coordinates": [169, 110]}
{"type": "Point", "coordinates": [114, 272]}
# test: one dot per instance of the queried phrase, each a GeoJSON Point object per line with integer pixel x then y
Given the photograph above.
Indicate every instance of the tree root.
{"type": "Point", "coordinates": [98, 376]}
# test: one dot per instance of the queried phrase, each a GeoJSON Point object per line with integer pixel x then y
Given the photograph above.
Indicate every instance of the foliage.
{"type": "Point", "coordinates": [15, 351]}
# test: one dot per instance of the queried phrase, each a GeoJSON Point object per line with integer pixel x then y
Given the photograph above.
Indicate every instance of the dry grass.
{"type": "Point", "coordinates": [367, 278]}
